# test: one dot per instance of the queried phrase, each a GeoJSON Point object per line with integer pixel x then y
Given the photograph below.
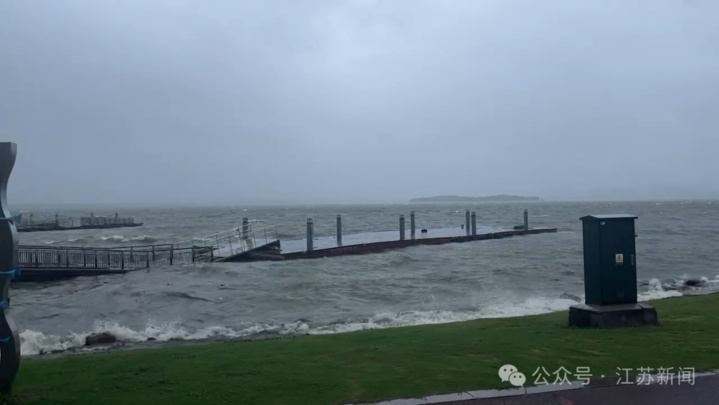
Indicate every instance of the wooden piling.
{"type": "Point", "coordinates": [526, 220]}
{"type": "Point", "coordinates": [467, 224]}
{"type": "Point", "coordinates": [310, 234]}
{"type": "Point", "coordinates": [339, 230]}
{"type": "Point", "coordinates": [401, 227]}
{"type": "Point", "coordinates": [411, 224]}
{"type": "Point", "coordinates": [474, 223]}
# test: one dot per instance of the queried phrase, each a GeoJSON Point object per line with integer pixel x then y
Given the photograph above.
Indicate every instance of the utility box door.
{"type": "Point", "coordinates": [610, 269]}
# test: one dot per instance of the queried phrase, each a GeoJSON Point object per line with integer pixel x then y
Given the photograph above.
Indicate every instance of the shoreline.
{"type": "Point", "coordinates": [123, 346]}
{"type": "Point", "coordinates": [375, 365]}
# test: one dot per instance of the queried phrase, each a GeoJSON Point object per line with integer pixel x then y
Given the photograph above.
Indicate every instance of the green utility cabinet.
{"type": "Point", "coordinates": [610, 268]}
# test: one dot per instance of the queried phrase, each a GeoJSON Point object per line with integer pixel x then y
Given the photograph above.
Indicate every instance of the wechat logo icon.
{"type": "Point", "coordinates": [510, 373]}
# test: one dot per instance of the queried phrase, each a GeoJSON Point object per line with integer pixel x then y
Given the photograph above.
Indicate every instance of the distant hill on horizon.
{"type": "Point", "coordinates": [457, 198]}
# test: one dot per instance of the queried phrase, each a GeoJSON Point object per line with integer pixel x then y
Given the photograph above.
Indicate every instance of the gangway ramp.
{"type": "Point", "coordinates": [235, 244]}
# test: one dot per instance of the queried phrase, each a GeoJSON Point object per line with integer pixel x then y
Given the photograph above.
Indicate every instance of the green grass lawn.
{"type": "Point", "coordinates": [373, 365]}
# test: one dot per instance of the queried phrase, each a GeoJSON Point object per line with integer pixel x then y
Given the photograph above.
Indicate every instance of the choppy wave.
{"type": "Point", "coordinates": [65, 241]}
{"type": "Point", "coordinates": [124, 239]}
{"type": "Point", "coordinates": [34, 342]}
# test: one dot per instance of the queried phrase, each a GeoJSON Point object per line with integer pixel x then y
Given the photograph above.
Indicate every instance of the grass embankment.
{"type": "Point", "coordinates": [373, 365]}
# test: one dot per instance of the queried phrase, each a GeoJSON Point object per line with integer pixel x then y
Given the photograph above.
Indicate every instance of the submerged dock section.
{"type": "Point", "coordinates": [375, 242]}
{"type": "Point", "coordinates": [245, 244]}
{"type": "Point", "coordinates": [44, 263]}
{"type": "Point", "coordinates": [234, 244]}
{"type": "Point", "coordinates": [67, 223]}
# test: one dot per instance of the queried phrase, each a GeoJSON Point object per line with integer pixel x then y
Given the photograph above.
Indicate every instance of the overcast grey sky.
{"type": "Point", "coordinates": [358, 101]}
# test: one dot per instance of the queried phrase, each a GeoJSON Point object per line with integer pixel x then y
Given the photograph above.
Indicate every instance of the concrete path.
{"type": "Point", "coordinates": [704, 391]}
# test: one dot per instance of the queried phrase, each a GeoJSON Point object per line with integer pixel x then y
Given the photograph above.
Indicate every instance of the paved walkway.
{"type": "Point", "coordinates": [705, 391]}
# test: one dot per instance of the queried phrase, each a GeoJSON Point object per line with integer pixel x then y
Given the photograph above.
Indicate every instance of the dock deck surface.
{"type": "Point", "coordinates": [326, 242]}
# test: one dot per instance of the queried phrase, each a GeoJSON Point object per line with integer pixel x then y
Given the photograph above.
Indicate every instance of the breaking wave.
{"type": "Point", "coordinates": [124, 239]}
{"type": "Point", "coordinates": [34, 342]}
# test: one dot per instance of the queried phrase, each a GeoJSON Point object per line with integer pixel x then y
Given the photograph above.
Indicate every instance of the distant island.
{"type": "Point", "coordinates": [457, 198]}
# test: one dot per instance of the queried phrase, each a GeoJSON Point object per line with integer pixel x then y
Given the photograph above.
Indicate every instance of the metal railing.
{"type": "Point", "coordinates": [111, 258]}
{"type": "Point", "coordinates": [222, 244]}
{"type": "Point", "coordinates": [228, 243]}
{"type": "Point", "coordinates": [83, 258]}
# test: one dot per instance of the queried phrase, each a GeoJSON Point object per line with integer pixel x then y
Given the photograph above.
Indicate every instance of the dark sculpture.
{"type": "Point", "coordinates": [9, 339]}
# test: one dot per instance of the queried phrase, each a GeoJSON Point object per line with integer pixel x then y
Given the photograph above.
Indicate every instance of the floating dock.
{"type": "Point", "coordinates": [43, 263]}
{"type": "Point", "coordinates": [243, 244]}
{"type": "Point", "coordinates": [367, 243]}
{"type": "Point", "coordinates": [68, 224]}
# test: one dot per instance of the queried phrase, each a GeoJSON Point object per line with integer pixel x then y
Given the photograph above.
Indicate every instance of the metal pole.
{"type": "Point", "coordinates": [9, 339]}
{"type": "Point", "coordinates": [245, 228]}
{"type": "Point", "coordinates": [339, 230]}
{"type": "Point", "coordinates": [310, 234]}
{"type": "Point", "coordinates": [411, 224]}
{"type": "Point", "coordinates": [526, 220]}
{"type": "Point", "coordinates": [474, 223]}
{"type": "Point", "coordinates": [466, 225]}
{"type": "Point", "coordinates": [401, 227]}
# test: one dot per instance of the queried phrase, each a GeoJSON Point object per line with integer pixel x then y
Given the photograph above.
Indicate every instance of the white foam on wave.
{"type": "Point", "coordinates": [34, 342]}
{"type": "Point", "coordinates": [657, 291]}
{"type": "Point", "coordinates": [71, 240]}
{"type": "Point", "coordinates": [120, 238]}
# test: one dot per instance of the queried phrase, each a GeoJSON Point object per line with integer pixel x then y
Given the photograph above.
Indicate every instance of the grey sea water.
{"type": "Point", "coordinates": [418, 285]}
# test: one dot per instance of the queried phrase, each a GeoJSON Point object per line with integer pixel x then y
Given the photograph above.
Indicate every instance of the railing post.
{"type": "Point", "coordinates": [172, 253]}
{"type": "Point", "coordinates": [84, 258]}
{"type": "Point", "coordinates": [122, 260]}
{"type": "Point", "coordinates": [411, 224]}
{"type": "Point", "coordinates": [401, 227]}
{"type": "Point", "coordinates": [474, 223]}
{"type": "Point", "coordinates": [67, 258]}
{"type": "Point", "coordinates": [147, 257]}
{"type": "Point", "coordinates": [339, 230]}
{"type": "Point", "coordinates": [467, 224]}
{"type": "Point", "coordinates": [193, 253]}
{"type": "Point", "coordinates": [310, 234]}
{"type": "Point", "coordinates": [153, 253]}
{"type": "Point", "coordinates": [245, 228]}
{"type": "Point", "coordinates": [108, 259]}
{"type": "Point", "coordinates": [95, 258]}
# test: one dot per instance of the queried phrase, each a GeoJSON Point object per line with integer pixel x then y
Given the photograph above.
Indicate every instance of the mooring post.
{"type": "Point", "coordinates": [474, 223]}
{"type": "Point", "coordinates": [245, 228]}
{"type": "Point", "coordinates": [401, 227]}
{"type": "Point", "coordinates": [467, 224]}
{"type": "Point", "coordinates": [526, 220]}
{"type": "Point", "coordinates": [339, 230]}
{"type": "Point", "coordinates": [9, 339]}
{"type": "Point", "coordinates": [411, 224]}
{"type": "Point", "coordinates": [310, 234]}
